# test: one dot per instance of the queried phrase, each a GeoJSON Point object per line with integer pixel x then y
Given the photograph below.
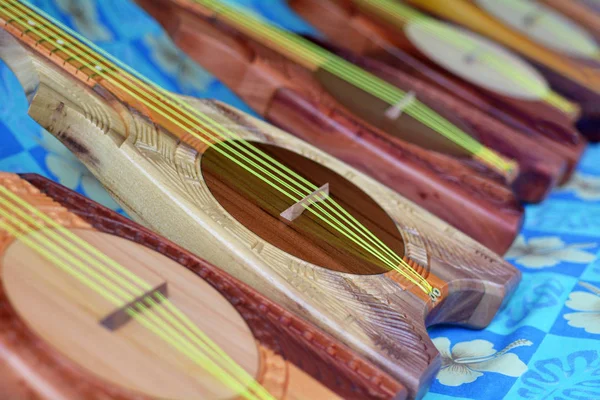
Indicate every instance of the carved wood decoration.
{"type": "Point", "coordinates": [162, 178]}
{"type": "Point", "coordinates": [291, 97]}
{"type": "Point", "coordinates": [368, 34]}
{"type": "Point", "coordinates": [578, 81]}
{"type": "Point", "coordinates": [290, 353]}
{"type": "Point", "coordinates": [267, 80]}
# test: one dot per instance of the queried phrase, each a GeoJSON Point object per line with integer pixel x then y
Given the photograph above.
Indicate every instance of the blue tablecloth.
{"type": "Point", "coordinates": [542, 345]}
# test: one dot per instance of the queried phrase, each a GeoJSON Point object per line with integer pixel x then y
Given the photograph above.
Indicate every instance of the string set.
{"type": "Point", "coordinates": [360, 78]}
{"type": "Point", "coordinates": [121, 287]}
{"type": "Point", "coordinates": [400, 13]}
{"type": "Point", "coordinates": [196, 124]}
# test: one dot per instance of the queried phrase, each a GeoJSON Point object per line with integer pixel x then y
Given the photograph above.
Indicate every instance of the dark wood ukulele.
{"type": "Point", "coordinates": [507, 22]}
{"type": "Point", "coordinates": [62, 260]}
{"type": "Point", "coordinates": [305, 230]}
{"type": "Point", "coordinates": [478, 71]}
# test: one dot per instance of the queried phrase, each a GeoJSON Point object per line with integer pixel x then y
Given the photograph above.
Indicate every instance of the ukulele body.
{"type": "Point", "coordinates": [288, 96]}
{"type": "Point", "coordinates": [202, 39]}
{"type": "Point", "coordinates": [577, 80]}
{"type": "Point", "coordinates": [578, 11]}
{"type": "Point", "coordinates": [173, 184]}
{"type": "Point", "coordinates": [292, 354]}
{"type": "Point", "coordinates": [544, 125]}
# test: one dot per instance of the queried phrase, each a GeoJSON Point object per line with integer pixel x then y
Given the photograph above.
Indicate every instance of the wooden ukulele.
{"type": "Point", "coordinates": [575, 79]}
{"type": "Point", "coordinates": [580, 11]}
{"type": "Point", "coordinates": [469, 66]}
{"type": "Point", "coordinates": [88, 296]}
{"type": "Point", "coordinates": [207, 28]}
{"type": "Point", "coordinates": [289, 96]}
{"type": "Point", "coordinates": [304, 229]}
{"type": "Point", "coordinates": [242, 51]}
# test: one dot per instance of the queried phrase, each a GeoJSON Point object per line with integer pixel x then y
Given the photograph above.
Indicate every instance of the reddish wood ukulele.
{"type": "Point", "coordinates": [293, 97]}
{"type": "Point", "coordinates": [295, 359]}
{"type": "Point", "coordinates": [369, 35]}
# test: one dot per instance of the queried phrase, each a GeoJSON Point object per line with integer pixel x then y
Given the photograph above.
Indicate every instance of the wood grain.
{"type": "Point", "coordinates": [47, 363]}
{"type": "Point", "coordinates": [289, 96]}
{"type": "Point", "coordinates": [369, 35]}
{"type": "Point", "coordinates": [156, 176]}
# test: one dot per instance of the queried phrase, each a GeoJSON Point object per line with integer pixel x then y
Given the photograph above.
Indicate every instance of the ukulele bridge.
{"type": "Point", "coordinates": [297, 209]}
{"type": "Point", "coordinates": [120, 317]}
{"type": "Point", "coordinates": [395, 111]}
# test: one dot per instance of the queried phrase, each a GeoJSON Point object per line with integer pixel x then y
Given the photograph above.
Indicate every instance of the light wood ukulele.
{"type": "Point", "coordinates": [61, 256]}
{"type": "Point", "coordinates": [292, 97]}
{"type": "Point", "coordinates": [580, 11]}
{"type": "Point", "coordinates": [504, 22]}
{"type": "Point", "coordinates": [304, 229]}
{"type": "Point", "coordinates": [478, 71]}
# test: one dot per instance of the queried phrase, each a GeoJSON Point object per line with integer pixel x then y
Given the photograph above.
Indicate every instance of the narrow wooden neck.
{"type": "Point", "coordinates": [265, 33]}
{"type": "Point", "coordinates": [391, 12]}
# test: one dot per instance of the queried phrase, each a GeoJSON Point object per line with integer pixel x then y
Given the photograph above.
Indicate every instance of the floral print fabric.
{"type": "Point", "coordinates": [543, 344]}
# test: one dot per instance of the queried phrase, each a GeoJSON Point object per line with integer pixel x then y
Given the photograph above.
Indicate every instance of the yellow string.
{"type": "Point", "coordinates": [60, 252]}
{"type": "Point", "coordinates": [405, 270]}
{"type": "Point", "coordinates": [396, 12]}
{"type": "Point", "coordinates": [360, 78]}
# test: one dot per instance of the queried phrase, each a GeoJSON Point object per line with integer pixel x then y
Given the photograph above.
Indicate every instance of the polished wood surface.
{"type": "Point", "coordinates": [291, 97]}
{"type": "Point", "coordinates": [578, 81]}
{"type": "Point", "coordinates": [368, 34]}
{"type": "Point", "coordinates": [40, 303]}
{"type": "Point", "coordinates": [154, 171]}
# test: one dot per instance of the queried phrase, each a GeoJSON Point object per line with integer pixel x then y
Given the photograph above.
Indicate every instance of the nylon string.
{"type": "Point", "coordinates": [107, 69]}
{"type": "Point", "coordinates": [360, 78]}
{"type": "Point", "coordinates": [91, 267]}
{"type": "Point", "coordinates": [405, 14]}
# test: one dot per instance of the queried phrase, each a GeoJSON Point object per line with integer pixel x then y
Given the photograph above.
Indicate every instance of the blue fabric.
{"type": "Point", "coordinates": [549, 329]}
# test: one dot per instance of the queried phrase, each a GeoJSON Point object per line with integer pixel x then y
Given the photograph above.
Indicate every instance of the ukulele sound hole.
{"type": "Point", "coordinates": [403, 126]}
{"type": "Point", "coordinates": [257, 205]}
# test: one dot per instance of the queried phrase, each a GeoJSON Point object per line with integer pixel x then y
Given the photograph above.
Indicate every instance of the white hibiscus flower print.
{"type": "Point", "coordinates": [585, 187]}
{"type": "Point", "coordinates": [189, 74]}
{"type": "Point", "coordinates": [71, 172]}
{"type": "Point", "coordinates": [469, 360]}
{"type": "Point", "coordinates": [588, 305]}
{"type": "Point", "coordinates": [85, 18]}
{"type": "Point", "coordinates": [548, 251]}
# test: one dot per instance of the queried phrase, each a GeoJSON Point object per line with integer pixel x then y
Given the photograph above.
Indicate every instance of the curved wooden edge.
{"type": "Point", "coordinates": [299, 342]}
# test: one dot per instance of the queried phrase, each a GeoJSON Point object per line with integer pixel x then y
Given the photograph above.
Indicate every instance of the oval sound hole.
{"type": "Point", "coordinates": [258, 205]}
{"type": "Point", "coordinates": [373, 110]}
